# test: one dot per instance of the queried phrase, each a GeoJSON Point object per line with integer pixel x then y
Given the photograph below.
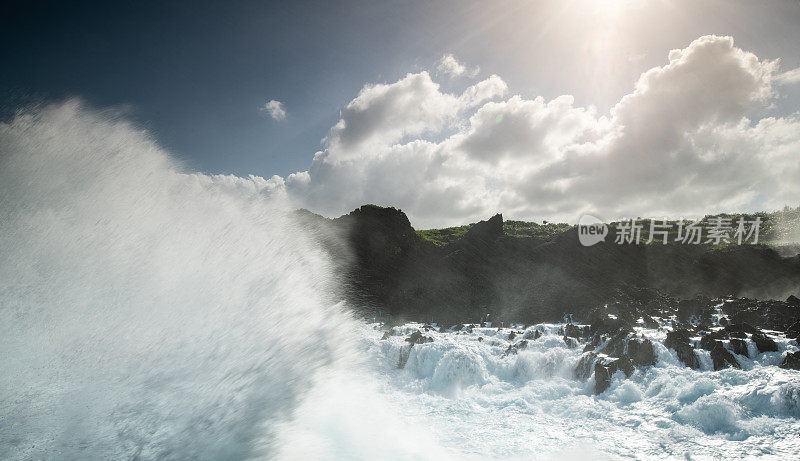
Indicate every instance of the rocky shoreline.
{"type": "Point", "coordinates": [619, 336]}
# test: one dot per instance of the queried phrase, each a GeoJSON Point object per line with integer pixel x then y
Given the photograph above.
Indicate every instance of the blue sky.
{"type": "Point", "coordinates": [195, 75]}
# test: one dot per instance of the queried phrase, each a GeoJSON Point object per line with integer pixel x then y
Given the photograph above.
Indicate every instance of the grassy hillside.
{"type": "Point", "coordinates": [520, 229]}
{"type": "Point", "coordinates": [776, 228]}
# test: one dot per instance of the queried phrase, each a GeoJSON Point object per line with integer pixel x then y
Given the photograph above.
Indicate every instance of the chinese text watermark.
{"type": "Point", "coordinates": [716, 230]}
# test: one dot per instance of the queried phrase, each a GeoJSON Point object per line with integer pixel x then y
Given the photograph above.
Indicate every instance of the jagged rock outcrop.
{"type": "Point", "coordinates": [722, 358]}
{"type": "Point", "coordinates": [418, 338]}
{"type": "Point", "coordinates": [791, 361]}
{"type": "Point", "coordinates": [641, 352]}
{"type": "Point", "coordinates": [615, 346]}
{"type": "Point", "coordinates": [485, 232]}
{"type": "Point", "coordinates": [603, 372]}
{"type": "Point", "coordinates": [575, 331]}
{"type": "Point", "coordinates": [532, 335]}
{"type": "Point", "coordinates": [793, 331]}
{"type": "Point", "coordinates": [764, 343]}
{"type": "Point", "coordinates": [678, 341]}
{"type": "Point", "coordinates": [739, 346]}
{"type": "Point", "coordinates": [585, 365]}
{"type": "Point", "coordinates": [710, 340]}
{"type": "Point", "coordinates": [623, 351]}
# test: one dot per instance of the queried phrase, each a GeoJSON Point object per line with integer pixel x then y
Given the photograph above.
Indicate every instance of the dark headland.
{"type": "Point", "coordinates": [529, 272]}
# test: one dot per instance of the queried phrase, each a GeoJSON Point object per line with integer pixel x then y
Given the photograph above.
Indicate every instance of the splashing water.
{"type": "Point", "coordinates": [487, 403]}
{"type": "Point", "coordinates": [146, 312]}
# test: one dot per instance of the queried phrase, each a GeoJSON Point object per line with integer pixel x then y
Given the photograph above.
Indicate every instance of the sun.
{"type": "Point", "coordinates": [607, 10]}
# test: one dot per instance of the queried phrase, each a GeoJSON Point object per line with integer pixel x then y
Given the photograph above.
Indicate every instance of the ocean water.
{"type": "Point", "coordinates": [481, 403]}
{"type": "Point", "coordinates": [150, 312]}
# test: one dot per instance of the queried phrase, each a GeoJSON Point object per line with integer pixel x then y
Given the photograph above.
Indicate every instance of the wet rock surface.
{"type": "Point", "coordinates": [724, 332]}
{"type": "Point", "coordinates": [678, 341]}
{"type": "Point", "coordinates": [791, 361]}
{"type": "Point", "coordinates": [722, 358]}
{"type": "Point", "coordinates": [585, 366]}
{"type": "Point", "coordinates": [514, 348]}
{"type": "Point", "coordinates": [739, 346]}
{"type": "Point", "coordinates": [604, 371]}
{"type": "Point", "coordinates": [642, 352]}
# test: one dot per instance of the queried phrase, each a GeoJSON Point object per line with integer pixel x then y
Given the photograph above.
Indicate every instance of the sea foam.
{"type": "Point", "coordinates": [527, 403]}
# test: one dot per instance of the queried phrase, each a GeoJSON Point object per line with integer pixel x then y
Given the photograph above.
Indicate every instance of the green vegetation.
{"type": "Point", "coordinates": [546, 230]}
{"type": "Point", "coordinates": [441, 237]}
{"type": "Point", "coordinates": [776, 228]}
{"type": "Point", "coordinates": [378, 207]}
{"type": "Point", "coordinates": [518, 229]}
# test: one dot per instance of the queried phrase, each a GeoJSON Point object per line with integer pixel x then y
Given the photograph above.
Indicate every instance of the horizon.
{"type": "Point", "coordinates": [784, 209]}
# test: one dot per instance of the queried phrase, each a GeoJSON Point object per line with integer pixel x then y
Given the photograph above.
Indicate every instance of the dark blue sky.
{"type": "Point", "coordinates": [195, 73]}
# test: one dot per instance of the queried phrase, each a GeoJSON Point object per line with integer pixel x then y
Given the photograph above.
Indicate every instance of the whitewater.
{"type": "Point", "coordinates": [152, 312]}
{"type": "Point", "coordinates": [489, 403]}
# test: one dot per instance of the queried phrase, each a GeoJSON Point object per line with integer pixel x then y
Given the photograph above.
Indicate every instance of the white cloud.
{"type": "Point", "coordinates": [789, 77]}
{"type": "Point", "coordinates": [386, 113]}
{"type": "Point", "coordinates": [484, 90]}
{"type": "Point", "coordinates": [679, 144]}
{"type": "Point", "coordinates": [275, 109]}
{"type": "Point", "coordinates": [449, 65]}
{"type": "Point", "coordinates": [531, 130]}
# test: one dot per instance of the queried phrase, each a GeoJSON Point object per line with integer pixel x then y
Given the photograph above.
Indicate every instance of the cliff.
{"type": "Point", "coordinates": [385, 264]}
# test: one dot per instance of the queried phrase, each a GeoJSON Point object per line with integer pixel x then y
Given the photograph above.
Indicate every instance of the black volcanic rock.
{"type": "Point", "coordinates": [418, 338]}
{"type": "Point", "coordinates": [678, 340]}
{"type": "Point", "coordinates": [793, 331]}
{"type": "Point", "coordinates": [738, 346]}
{"type": "Point", "coordinates": [574, 331]}
{"type": "Point", "coordinates": [741, 330]}
{"type": "Point", "coordinates": [791, 361]}
{"type": "Point", "coordinates": [700, 308]}
{"type": "Point", "coordinates": [709, 341]}
{"type": "Point", "coordinates": [641, 352]}
{"type": "Point", "coordinates": [617, 344]}
{"type": "Point", "coordinates": [722, 358]}
{"type": "Point", "coordinates": [764, 343]}
{"type": "Point", "coordinates": [649, 322]}
{"type": "Point", "coordinates": [584, 367]}
{"type": "Point", "coordinates": [768, 314]}
{"type": "Point", "coordinates": [603, 372]}
{"type": "Point", "coordinates": [602, 377]}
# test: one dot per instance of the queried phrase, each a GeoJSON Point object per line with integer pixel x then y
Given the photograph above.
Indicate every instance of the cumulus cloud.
{"type": "Point", "coordinates": [679, 144]}
{"type": "Point", "coordinates": [449, 65]}
{"type": "Point", "coordinates": [413, 106]}
{"type": "Point", "coordinates": [275, 109]}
